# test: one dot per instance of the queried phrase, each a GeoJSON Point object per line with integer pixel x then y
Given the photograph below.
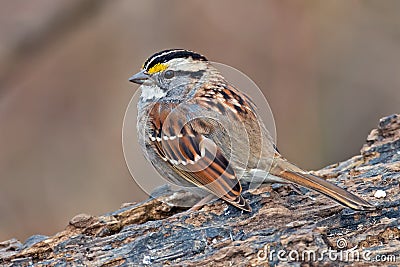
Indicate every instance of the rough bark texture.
{"type": "Point", "coordinates": [155, 234]}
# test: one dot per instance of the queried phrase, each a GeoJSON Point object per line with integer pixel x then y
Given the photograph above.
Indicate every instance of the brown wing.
{"type": "Point", "coordinates": [193, 156]}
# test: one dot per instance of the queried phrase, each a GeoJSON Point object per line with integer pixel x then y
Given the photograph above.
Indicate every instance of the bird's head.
{"type": "Point", "coordinates": [172, 73]}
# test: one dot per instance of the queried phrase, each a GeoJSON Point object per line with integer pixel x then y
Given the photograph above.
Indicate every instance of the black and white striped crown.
{"type": "Point", "coordinates": [166, 55]}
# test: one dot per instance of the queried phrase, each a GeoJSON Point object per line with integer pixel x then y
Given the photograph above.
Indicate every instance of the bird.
{"type": "Point", "coordinates": [199, 130]}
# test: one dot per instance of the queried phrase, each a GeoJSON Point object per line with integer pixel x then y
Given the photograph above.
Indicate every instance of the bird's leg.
{"type": "Point", "coordinates": [296, 189]}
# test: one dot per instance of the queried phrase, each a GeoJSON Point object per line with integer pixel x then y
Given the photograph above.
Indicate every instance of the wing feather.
{"type": "Point", "coordinates": [195, 157]}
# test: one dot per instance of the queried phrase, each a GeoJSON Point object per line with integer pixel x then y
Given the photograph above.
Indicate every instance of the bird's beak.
{"type": "Point", "coordinates": [139, 77]}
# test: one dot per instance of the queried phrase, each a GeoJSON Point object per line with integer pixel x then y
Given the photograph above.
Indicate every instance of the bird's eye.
{"type": "Point", "coordinates": [169, 74]}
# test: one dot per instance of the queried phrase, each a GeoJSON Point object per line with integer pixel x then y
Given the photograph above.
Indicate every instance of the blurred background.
{"type": "Point", "coordinates": [329, 69]}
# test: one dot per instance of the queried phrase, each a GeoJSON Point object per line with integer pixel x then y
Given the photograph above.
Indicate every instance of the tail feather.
{"type": "Point", "coordinates": [330, 190]}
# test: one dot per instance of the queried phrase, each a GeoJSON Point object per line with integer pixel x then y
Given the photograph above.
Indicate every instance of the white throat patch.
{"type": "Point", "coordinates": [151, 92]}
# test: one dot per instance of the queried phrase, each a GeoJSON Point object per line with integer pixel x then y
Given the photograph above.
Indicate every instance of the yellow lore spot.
{"type": "Point", "coordinates": [157, 68]}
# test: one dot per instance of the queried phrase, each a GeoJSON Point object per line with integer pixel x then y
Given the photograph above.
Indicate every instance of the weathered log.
{"type": "Point", "coordinates": [285, 228]}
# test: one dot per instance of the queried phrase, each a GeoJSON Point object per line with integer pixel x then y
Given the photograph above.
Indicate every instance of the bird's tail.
{"type": "Point", "coordinates": [295, 175]}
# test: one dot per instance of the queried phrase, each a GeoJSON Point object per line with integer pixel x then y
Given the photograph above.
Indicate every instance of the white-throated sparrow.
{"type": "Point", "coordinates": [198, 130]}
